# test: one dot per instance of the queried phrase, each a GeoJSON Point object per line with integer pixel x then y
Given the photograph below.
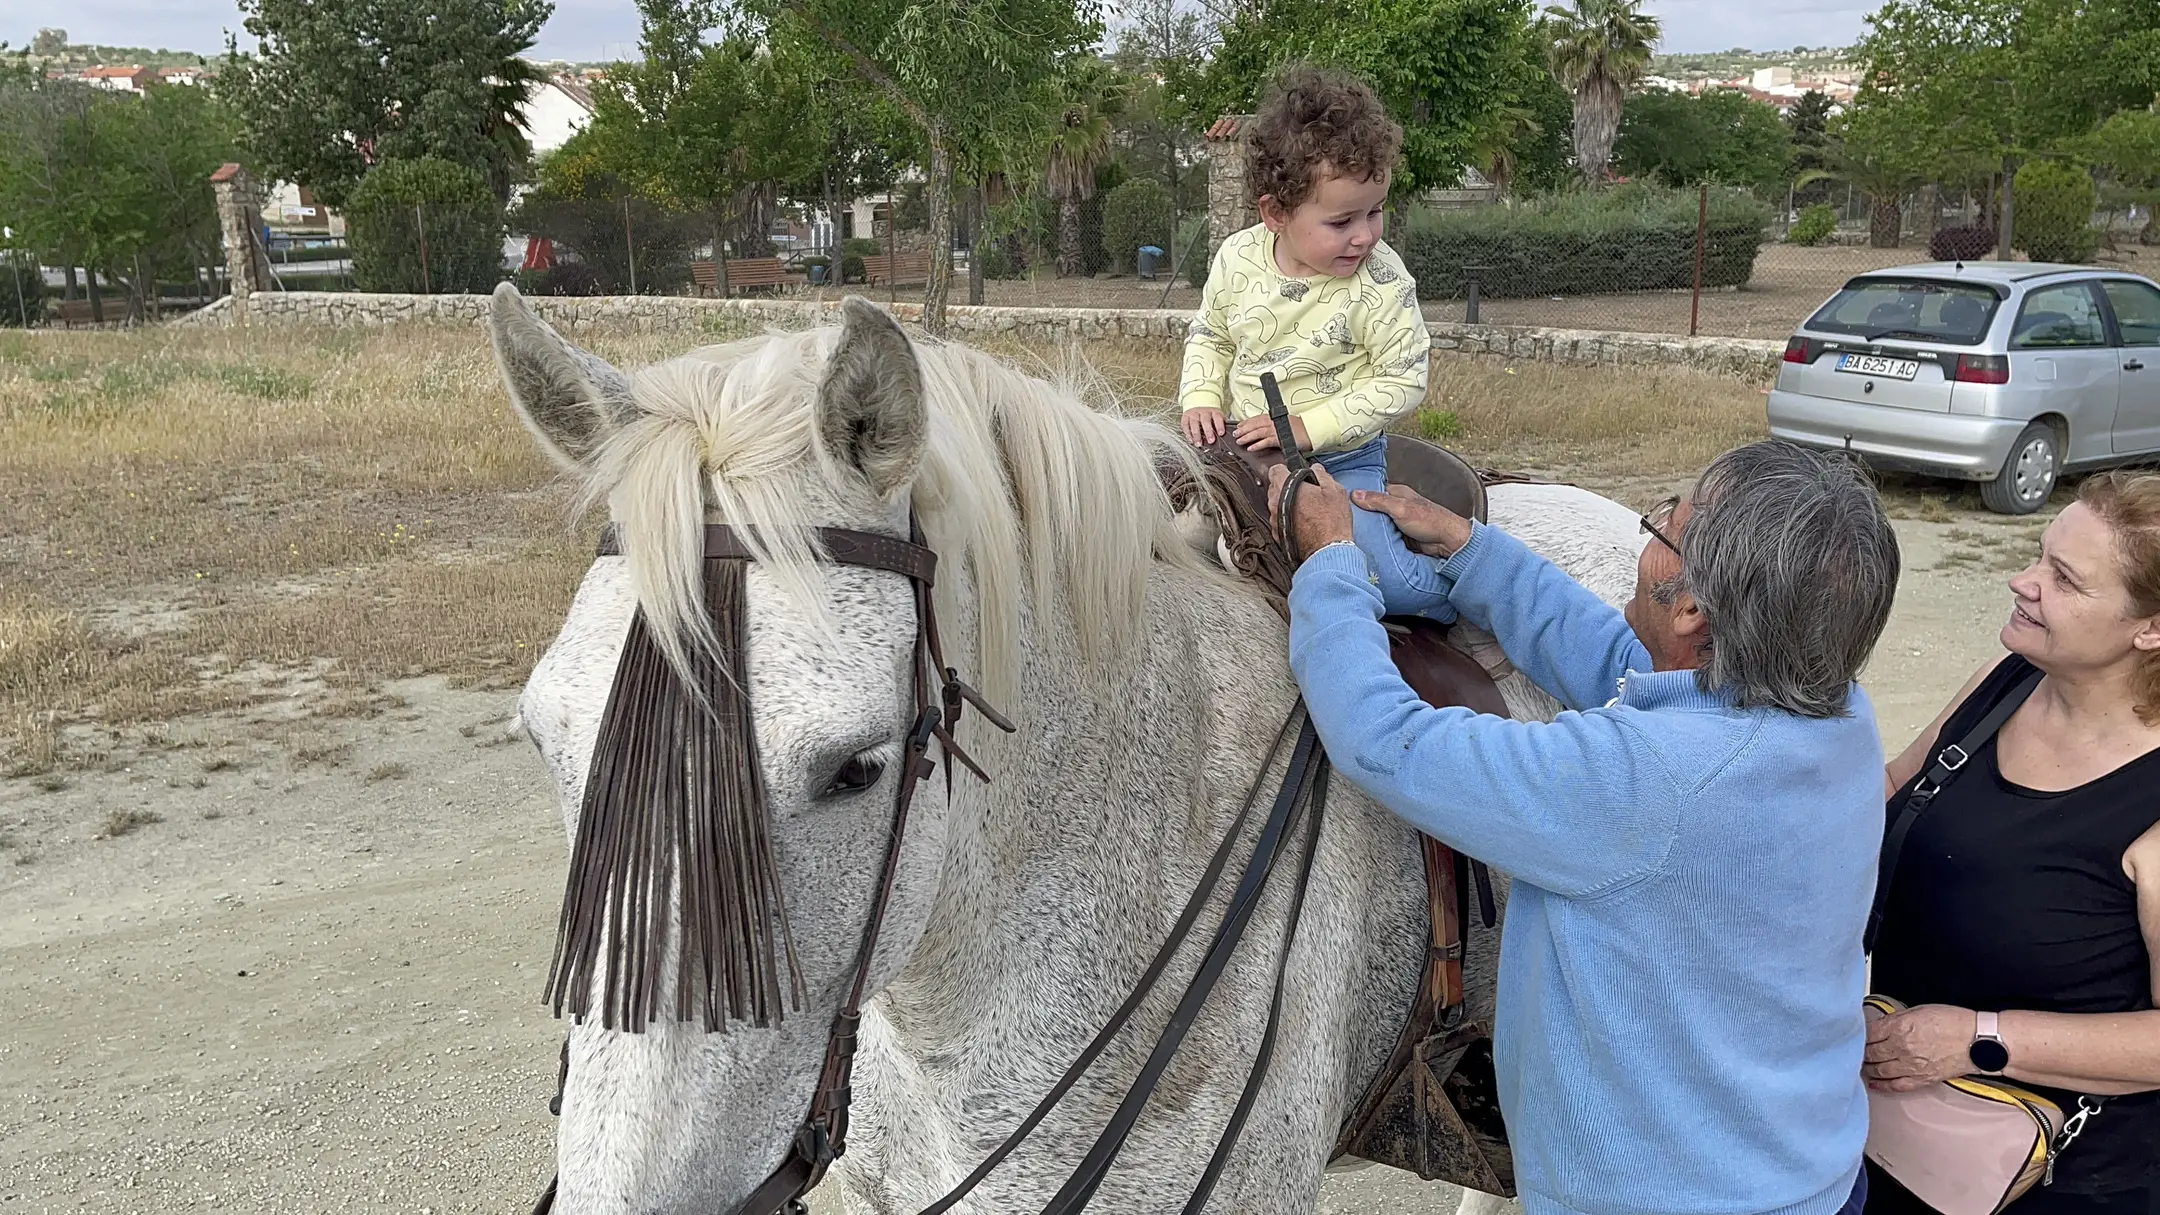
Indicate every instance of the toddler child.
{"type": "Point", "coordinates": [1312, 294]}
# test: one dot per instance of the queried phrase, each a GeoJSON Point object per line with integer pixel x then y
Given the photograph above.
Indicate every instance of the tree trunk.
{"type": "Point", "coordinates": [1886, 220]}
{"type": "Point", "coordinates": [97, 300]}
{"type": "Point", "coordinates": [1929, 213]}
{"type": "Point", "coordinates": [939, 202]}
{"type": "Point", "coordinates": [2007, 226]}
{"type": "Point", "coordinates": [1597, 125]}
{"type": "Point", "coordinates": [1068, 256]}
{"type": "Point", "coordinates": [67, 278]}
{"type": "Point", "coordinates": [979, 210]}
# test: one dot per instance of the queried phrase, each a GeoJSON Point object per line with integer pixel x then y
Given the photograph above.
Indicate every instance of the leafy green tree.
{"type": "Point", "coordinates": [1989, 82]}
{"type": "Point", "coordinates": [1719, 135]}
{"type": "Point", "coordinates": [113, 182]}
{"type": "Point", "coordinates": [1809, 124]}
{"type": "Point", "coordinates": [2126, 149]}
{"type": "Point", "coordinates": [978, 78]}
{"type": "Point", "coordinates": [1163, 52]}
{"type": "Point", "coordinates": [1881, 151]}
{"type": "Point", "coordinates": [335, 86]}
{"type": "Point", "coordinates": [1079, 148]}
{"type": "Point", "coordinates": [1445, 69]}
{"type": "Point", "coordinates": [1598, 49]}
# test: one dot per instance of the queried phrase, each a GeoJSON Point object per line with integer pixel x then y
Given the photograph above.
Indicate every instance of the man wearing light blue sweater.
{"type": "Point", "coordinates": [1693, 841]}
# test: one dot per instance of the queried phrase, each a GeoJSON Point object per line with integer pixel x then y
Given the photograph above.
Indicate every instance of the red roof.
{"type": "Point", "coordinates": [225, 172]}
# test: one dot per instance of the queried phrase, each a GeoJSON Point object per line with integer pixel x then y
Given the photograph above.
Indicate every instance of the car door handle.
{"type": "Point", "coordinates": [2134, 365]}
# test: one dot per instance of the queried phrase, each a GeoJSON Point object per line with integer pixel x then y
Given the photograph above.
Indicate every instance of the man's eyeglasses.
{"type": "Point", "coordinates": [1659, 518]}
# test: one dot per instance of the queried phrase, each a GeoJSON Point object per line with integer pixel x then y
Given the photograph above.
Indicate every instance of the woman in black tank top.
{"type": "Point", "coordinates": [2030, 886]}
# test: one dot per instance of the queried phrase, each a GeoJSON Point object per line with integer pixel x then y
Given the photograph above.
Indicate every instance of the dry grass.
{"type": "Point", "coordinates": [128, 822]}
{"type": "Point", "coordinates": [193, 520]}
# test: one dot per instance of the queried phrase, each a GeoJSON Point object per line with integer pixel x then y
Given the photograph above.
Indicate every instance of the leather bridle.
{"type": "Point", "coordinates": [822, 1136]}
{"type": "Point", "coordinates": [1300, 801]}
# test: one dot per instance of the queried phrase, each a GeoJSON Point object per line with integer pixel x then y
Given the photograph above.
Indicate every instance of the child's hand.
{"type": "Point", "coordinates": [1202, 426]}
{"type": "Point", "coordinates": [1257, 433]}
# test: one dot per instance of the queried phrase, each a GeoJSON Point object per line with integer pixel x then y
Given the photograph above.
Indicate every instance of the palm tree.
{"type": "Point", "coordinates": [1596, 49]}
{"type": "Point", "coordinates": [1078, 148]}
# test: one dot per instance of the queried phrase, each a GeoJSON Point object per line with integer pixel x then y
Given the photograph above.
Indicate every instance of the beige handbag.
{"type": "Point", "coordinates": [1969, 1146]}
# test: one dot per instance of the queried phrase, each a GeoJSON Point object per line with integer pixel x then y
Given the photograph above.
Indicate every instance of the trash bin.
{"type": "Point", "coordinates": [817, 275]}
{"type": "Point", "coordinates": [1150, 255]}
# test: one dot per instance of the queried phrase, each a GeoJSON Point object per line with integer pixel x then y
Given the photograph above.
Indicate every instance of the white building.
{"type": "Point", "coordinates": [1771, 79]}
{"type": "Point", "coordinates": [558, 108]}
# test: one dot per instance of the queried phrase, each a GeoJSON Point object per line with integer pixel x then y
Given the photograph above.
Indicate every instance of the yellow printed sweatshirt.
{"type": "Point", "coordinates": [1348, 353]}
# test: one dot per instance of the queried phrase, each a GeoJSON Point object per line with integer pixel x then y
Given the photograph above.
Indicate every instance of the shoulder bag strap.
{"type": "Point", "coordinates": [1947, 764]}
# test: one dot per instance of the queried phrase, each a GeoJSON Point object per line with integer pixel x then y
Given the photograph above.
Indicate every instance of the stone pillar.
{"type": "Point", "coordinates": [1230, 209]}
{"type": "Point", "coordinates": [239, 204]}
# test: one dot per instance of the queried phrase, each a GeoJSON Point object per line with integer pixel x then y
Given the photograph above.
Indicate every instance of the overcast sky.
{"type": "Point", "coordinates": [607, 29]}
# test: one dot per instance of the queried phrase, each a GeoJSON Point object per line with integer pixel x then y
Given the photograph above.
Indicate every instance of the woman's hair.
{"type": "Point", "coordinates": [1313, 117]}
{"type": "Point", "coordinates": [2130, 504]}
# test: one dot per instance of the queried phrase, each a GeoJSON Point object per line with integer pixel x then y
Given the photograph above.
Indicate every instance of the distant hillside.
{"type": "Point", "coordinates": [1724, 65]}
{"type": "Point", "coordinates": [89, 55]}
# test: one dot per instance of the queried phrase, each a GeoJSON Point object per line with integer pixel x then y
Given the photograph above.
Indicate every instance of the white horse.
{"type": "Point", "coordinates": [1146, 683]}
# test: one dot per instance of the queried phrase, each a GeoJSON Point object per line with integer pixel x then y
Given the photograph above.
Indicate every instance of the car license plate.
{"type": "Point", "coordinates": [1875, 364]}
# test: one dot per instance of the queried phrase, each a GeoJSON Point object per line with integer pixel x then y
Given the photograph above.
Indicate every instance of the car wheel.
{"type": "Point", "coordinates": [2028, 473]}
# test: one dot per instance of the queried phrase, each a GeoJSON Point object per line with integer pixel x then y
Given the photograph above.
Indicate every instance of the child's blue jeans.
{"type": "Point", "coordinates": [1410, 583]}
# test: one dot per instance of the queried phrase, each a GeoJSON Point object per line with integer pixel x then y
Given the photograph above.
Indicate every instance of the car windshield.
{"type": "Point", "coordinates": [1914, 309]}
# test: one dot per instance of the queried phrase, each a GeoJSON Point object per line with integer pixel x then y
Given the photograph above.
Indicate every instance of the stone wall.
{"type": "Point", "coordinates": [1740, 357]}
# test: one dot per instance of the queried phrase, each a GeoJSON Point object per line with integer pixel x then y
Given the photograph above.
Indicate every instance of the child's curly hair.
{"type": "Point", "coordinates": [1312, 117]}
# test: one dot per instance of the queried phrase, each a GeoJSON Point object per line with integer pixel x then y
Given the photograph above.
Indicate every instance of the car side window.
{"type": "Point", "coordinates": [2058, 318]}
{"type": "Point", "coordinates": [2137, 311]}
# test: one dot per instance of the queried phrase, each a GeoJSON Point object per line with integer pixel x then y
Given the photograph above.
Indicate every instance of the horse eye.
{"type": "Point", "coordinates": [854, 776]}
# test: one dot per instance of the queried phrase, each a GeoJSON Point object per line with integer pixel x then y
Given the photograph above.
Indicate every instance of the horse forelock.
{"type": "Point", "coordinates": [1033, 489]}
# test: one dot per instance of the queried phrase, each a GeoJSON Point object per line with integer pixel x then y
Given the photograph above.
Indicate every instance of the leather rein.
{"type": "Point", "coordinates": [1295, 816]}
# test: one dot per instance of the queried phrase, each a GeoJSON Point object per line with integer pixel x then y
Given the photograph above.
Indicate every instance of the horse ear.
{"type": "Point", "coordinates": [569, 399]}
{"type": "Point", "coordinates": [870, 403]}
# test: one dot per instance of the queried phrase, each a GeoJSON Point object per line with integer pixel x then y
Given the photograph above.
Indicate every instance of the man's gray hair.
{"type": "Point", "coordinates": [1794, 565]}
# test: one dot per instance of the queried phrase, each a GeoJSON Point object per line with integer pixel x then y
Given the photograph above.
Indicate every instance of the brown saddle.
{"type": "Point", "coordinates": [1433, 1109]}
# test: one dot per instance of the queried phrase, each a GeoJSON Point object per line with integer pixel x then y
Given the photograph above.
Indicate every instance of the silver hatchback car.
{"type": "Point", "coordinates": [2005, 373]}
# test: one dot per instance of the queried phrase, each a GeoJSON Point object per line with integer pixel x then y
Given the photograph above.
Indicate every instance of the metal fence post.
{"type": "Point", "coordinates": [629, 246]}
{"type": "Point", "coordinates": [420, 222]}
{"type": "Point", "coordinates": [1702, 233]}
{"type": "Point", "coordinates": [1471, 285]}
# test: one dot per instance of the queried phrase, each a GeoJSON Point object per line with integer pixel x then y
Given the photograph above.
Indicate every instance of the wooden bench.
{"type": "Point", "coordinates": [743, 272]}
{"type": "Point", "coordinates": [881, 268]}
{"type": "Point", "coordinates": [70, 313]}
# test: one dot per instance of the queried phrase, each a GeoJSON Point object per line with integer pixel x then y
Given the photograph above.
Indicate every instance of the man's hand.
{"type": "Point", "coordinates": [1202, 426]}
{"type": "Point", "coordinates": [1426, 526]}
{"type": "Point", "coordinates": [1323, 510]}
{"type": "Point", "coordinates": [1258, 434]}
{"type": "Point", "coordinates": [1918, 1047]}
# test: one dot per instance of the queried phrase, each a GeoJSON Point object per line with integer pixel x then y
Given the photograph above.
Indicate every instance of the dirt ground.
{"type": "Point", "coordinates": [1789, 283]}
{"type": "Point", "coordinates": [283, 950]}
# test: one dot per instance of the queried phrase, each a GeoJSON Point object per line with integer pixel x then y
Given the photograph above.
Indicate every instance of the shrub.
{"type": "Point", "coordinates": [1001, 262]}
{"type": "Point", "coordinates": [1437, 425]}
{"type": "Point", "coordinates": [562, 278]}
{"type": "Point", "coordinates": [1135, 214]}
{"type": "Point", "coordinates": [2051, 212]}
{"type": "Point", "coordinates": [1629, 238]}
{"type": "Point", "coordinates": [1963, 244]}
{"type": "Point", "coordinates": [22, 290]}
{"type": "Point", "coordinates": [1813, 226]}
{"type": "Point", "coordinates": [425, 224]}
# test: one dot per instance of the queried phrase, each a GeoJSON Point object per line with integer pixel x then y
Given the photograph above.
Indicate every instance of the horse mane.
{"type": "Point", "coordinates": [1038, 485]}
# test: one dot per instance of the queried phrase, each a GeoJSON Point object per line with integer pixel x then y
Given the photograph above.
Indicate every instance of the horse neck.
{"type": "Point", "coordinates": [1063, 876]}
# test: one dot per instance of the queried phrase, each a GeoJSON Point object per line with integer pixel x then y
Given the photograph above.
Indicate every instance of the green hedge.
{"type": "Point", "coordinates": [1135, 214]}
{"type": "Point", "coordinates": [424, 225]}
{"type": "Point", "coordinates": [1628, 238]}
{"type": "Point", "coordinates": [2051, 210]}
